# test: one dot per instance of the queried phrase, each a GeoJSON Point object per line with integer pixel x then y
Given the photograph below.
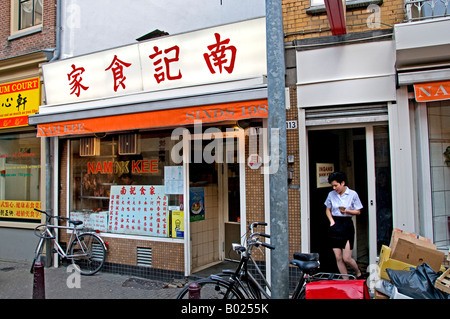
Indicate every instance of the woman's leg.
{"type": "Point", "coordinates": [340, 260]}
{"type": "Point", "coordinates": [347, 259]}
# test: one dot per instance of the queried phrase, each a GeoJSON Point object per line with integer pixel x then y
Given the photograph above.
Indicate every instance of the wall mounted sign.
{"type": "Point", "coordinates": [162, 118]}
{"type": "Point", "coordinates": [433, 91]}
{"type": "Point", "coordinates": [13, 210]}
{"type": "Point", "coordinates": [323, 170]}
{"type": "Point", "coordinates": [139, 210]}
{"type": "Point", "coordinates": [218, 54]}
{"type": "Point", "coordinates": [18, 100]}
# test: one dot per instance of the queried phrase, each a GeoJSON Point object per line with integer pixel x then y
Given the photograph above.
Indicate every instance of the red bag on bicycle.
{"type": "Point", "coordinates": [337, 289]}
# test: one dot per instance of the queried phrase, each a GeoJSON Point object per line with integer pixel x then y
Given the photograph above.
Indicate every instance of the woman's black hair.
{"type": "Point", "coordinates": [338, 177]}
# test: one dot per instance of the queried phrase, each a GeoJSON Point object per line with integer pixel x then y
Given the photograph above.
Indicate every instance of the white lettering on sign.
{"type": "Point", "coordinates": [290, 125]}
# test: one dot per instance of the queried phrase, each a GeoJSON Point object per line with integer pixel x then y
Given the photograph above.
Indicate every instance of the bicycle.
{"type": "Point", "coordinates": [241, 284]}
{"type": "Point", "coordinates": [86, 250]}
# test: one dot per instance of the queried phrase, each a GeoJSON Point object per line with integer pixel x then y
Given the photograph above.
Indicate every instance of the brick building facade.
{"type": "Point", "coordinates": [27, 39]}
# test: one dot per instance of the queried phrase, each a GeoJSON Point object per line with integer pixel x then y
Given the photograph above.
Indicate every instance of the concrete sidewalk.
{"type": "Point", "coordinates": [16, 282]}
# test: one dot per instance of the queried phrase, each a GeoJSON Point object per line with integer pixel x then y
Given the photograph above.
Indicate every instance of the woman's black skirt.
{"type": "Point", "coordinates": [341, 232]}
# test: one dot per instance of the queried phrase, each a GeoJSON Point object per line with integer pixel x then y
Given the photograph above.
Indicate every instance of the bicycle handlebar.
{"type": "Point", "coordinates": [267, 245]}
{"type": "Point", "coordinates": [255, 224]}
{"type": "Point", "coordinates": [49, 217]}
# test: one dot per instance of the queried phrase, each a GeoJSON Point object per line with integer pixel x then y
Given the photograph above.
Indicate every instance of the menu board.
{"type": "Point", "coordinates": [138, 210]}
{"type": "Point", "coordinates": [173, 179]}
{"type": "Point", "coordinates": [95, 221]}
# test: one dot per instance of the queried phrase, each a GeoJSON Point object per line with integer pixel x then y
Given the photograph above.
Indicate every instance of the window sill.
{"type": "Point", "coordinates": [350, 5]}
{"type": "Point", "coordinates": [26, 32]}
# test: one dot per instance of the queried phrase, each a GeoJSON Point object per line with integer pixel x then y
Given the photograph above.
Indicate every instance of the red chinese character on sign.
{"type": "Point", "coordinates": [116, 67]}
{"type": "Point", "coordinates": [76, 78]}
{"type": "Point", "coordinates": [161, 74]}
{"type": "Point", "coordinates": [218, 56]}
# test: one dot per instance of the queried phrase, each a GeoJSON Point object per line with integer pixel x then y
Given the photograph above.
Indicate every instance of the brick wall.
{"type": "Point", "coordinates": [44, 39]}
{"type": "Point", "coordinates": [299, 24]}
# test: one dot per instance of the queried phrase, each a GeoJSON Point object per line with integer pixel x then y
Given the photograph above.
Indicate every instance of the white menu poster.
{"type": "Point", "coordinates": [91, 220]}
{"type": "Point", "coordinates": [138, 210]}
{"type": "Point", "coordinates": [173, 179]}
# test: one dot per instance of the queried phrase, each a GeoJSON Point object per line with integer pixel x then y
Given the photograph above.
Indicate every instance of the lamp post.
{"type": "Point", "coordinates": [277, 126]}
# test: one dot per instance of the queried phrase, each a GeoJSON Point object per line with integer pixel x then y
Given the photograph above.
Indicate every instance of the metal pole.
{"type": "Point", "coordinates": [277, 125]}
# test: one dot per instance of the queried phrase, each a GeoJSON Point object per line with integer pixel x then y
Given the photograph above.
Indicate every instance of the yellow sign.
{"type": "Point", "coordinates": [177, 224]}
{"type": "Point", "coordinates": [22, 210]}
{"type": "Point", "coordinates": [18, 100]}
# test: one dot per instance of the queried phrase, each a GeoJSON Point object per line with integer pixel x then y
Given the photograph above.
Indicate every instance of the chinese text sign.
{"type": "Point", "coordinates": [219, 54]}
{"type": "Point", "coordinates": [17, 101]}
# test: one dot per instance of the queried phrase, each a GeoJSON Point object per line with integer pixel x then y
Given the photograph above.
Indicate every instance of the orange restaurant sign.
{"type": "Point", "coordinates": [161, 118]}
{"type": "Point", "coordinates": [432, 91]}
{"type": "Point", "coordinates": [17, 101]}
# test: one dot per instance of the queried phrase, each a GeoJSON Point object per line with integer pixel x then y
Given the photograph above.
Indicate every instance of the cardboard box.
{"type": "Point", "coordinates": [393, 264]}
{"type": "Point", "coordinates": [385, 254]}
{"type": "Point", "coordinates": [413, 238]}
{"type": "Point", "coordinates": [415, 253]}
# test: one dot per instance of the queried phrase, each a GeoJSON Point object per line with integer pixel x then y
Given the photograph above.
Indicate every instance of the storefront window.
{"type": "Point", "coordinates": [120, 184]}
{"type": "Point", "coordinates": [439, 141]}
{"type": "Point", "coordinates": [20, 156]}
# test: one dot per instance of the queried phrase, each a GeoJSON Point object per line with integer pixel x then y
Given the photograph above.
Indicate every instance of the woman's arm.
{"type": "Point", "coordinates": [330, 217]}
{"type": "Point", "coordinates": [353, 211]}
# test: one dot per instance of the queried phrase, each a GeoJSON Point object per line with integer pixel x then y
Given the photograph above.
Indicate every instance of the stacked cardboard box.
{"type": "Point", "coordinates": [406, 252]}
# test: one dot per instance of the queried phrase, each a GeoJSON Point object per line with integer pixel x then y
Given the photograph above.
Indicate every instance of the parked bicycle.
{"type": "Point", "coordinates": [86, 250]}
{"type": "Point", "coordinates": [241, 284]}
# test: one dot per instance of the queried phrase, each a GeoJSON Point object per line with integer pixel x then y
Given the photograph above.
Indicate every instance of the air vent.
{"type": "Point", "coordinates": [89, 146]}
{"type": "Point", "coordinates": [97, 252]}
{"type": "Point", "coordinates": [144, 256]}
{"type": "Point", "coordinates": [128, 144]}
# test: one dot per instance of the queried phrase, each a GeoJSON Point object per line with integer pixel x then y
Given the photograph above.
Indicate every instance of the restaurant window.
{"type": "Point", "coordinates": [20, 168]}
{"type": "Point", "coordinates": [120, 184]}
{"type": "Point", "coordinates": [439, 141]}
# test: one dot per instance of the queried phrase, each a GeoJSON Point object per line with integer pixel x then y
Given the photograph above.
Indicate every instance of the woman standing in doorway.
{"type": "Point", "coordinates": [342, 203]}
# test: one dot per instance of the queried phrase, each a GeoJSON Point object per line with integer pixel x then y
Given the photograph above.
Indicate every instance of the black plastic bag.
{"type": "Point", "coordinates": [418, 283]}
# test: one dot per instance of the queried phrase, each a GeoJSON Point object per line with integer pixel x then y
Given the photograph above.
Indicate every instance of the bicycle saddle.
{"type": "Point", "coordinates": [306, 256]}
{"type": "Point", "coordinates": [76, 222]}
{"type": "Point", "coordinates": [308, 267]}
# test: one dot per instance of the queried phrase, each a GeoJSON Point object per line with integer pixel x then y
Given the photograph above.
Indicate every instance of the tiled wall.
{"type": "Point", "coordinates": [205, 233]}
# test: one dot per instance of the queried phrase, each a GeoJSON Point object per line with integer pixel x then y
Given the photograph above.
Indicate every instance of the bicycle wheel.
{"type": "Point", "coordinates": [87, 253]}
{"type": "Point", "coordinates": [212, 289]}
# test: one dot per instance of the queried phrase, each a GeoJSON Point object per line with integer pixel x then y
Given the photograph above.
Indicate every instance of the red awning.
{"type": "Point", "coordinates": [336, 16]}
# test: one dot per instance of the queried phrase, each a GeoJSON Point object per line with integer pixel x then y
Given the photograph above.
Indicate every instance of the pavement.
{"type": "Point", "coordinates": [16, 282]}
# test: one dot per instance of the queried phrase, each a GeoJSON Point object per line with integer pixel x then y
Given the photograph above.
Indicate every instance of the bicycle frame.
{"type": "Point", "coordinates": [241, 275]}
{"type": "Point", "coordinates": [59, 249]}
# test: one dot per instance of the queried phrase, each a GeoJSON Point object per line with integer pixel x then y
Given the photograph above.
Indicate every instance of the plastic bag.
{"type": "Point", "coordinates": [418, 283]}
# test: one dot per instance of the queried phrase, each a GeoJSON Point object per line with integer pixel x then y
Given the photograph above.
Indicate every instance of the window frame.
{"type": "Point", "coordinates": [16, 31]}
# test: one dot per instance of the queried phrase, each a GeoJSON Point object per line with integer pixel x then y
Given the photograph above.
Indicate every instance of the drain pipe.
{"type": "Point", "coordinates": [57, 52]}
{"type": "Point", "coordinates": [48, 145]}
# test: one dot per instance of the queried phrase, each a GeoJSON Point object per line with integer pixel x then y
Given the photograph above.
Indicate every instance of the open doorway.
{"type": "Point", "coordinates": [214, 204]}
{"type": "Point", "coordinates": [344, 150]}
